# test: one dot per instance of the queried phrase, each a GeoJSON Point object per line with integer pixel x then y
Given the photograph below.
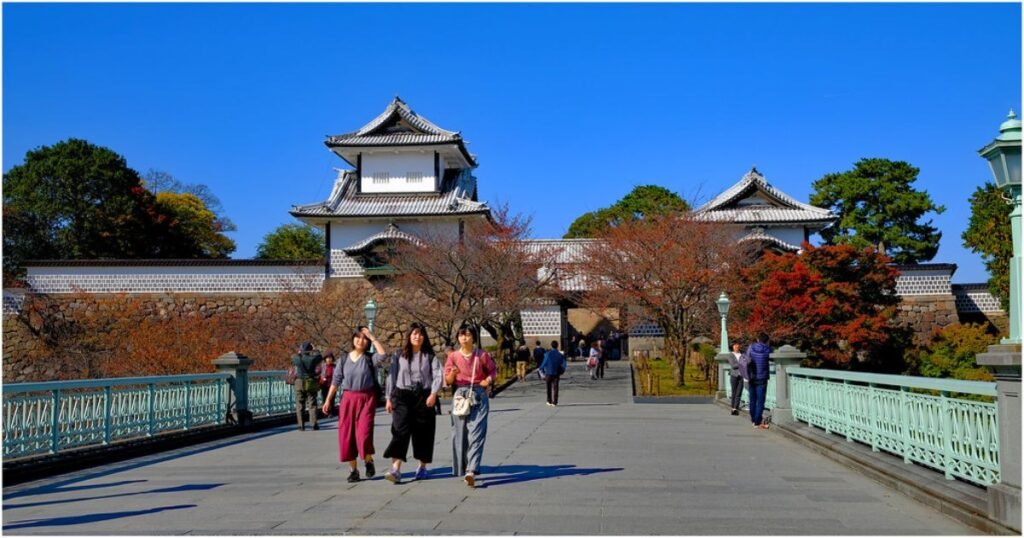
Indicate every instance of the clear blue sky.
{"type": "Point", "coordinates": [567, 106]}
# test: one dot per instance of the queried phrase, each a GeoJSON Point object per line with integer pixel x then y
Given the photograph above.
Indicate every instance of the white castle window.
{"type": "Point", "coordinates": [381, 178]}
{"type": "Point", "coordinates": [414, 177]}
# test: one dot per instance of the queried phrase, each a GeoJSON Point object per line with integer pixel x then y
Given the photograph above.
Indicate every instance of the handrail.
{"type": "Point", "coordinates": [982, 388]}
{"type": "Point", "coordinates": [17, 388]}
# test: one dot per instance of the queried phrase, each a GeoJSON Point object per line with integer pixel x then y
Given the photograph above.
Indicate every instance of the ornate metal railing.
{"type": "Point", "coordinates": [45, 418]}
{"type": "Point", "coordinates": [769, 393]}
{"type": "Point", "coordinates": [269, 394]}
{"type": "Point", "coordinates": [918, 418]}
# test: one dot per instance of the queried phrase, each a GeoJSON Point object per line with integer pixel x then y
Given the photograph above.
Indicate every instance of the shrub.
{"type": "Point", "coordinates": [950, 353]}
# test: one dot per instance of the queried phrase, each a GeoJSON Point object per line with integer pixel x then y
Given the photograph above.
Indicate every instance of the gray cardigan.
{"type": "Point", "coordinates": [401, 377]}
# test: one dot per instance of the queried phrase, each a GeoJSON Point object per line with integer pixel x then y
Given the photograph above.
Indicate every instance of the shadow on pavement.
{"type": "Point", "coordinates": [173, 489]}
{"type": "Point", "coordinates": [135, 463]}
{"type": "Point", "coordinates": [89, 518]}
{"type": "Point", "coordinates": [511, 474]}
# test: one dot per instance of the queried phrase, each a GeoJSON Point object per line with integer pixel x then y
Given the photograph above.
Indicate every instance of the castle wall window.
{"type": "Point", "coordinates": [381, 178]}
{"type": "Point", "coordinates": [414, 177]}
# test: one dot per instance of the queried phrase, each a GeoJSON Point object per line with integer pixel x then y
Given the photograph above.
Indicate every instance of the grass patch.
{"type": "Point", "coordinates": [664, 382]}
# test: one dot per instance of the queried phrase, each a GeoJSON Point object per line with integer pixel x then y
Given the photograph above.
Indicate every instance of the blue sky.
{"type": "Point", "coordinates": [568, 106]}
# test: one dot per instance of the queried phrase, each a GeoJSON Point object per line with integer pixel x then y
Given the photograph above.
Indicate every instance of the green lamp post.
{"type": "Point", "coordinates": [1003, 155]}
{"type": "Point", "coordinates": [371, 313]}
{"type": "Point", "coordinates": [723, 310]}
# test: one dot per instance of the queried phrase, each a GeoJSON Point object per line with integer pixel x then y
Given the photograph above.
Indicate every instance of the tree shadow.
{"type": "Point", "coordinates": [90, 518]}
{"type": "Point", "coordinates": [174, 489]}
{"type": "Point", "coordinates": [511, 474]}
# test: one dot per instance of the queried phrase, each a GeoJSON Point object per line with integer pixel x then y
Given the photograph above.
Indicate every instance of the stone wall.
{"type": "Point", "coordinates": [926, 313]}
{"type": "Point", "coordinates": [28, 356]}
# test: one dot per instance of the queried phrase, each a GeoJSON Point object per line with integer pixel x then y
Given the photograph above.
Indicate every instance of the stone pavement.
{"type": "Point", "coordinates": [596, 464]}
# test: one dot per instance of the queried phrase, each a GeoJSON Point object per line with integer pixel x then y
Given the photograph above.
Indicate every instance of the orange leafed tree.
{"type": "Point", "coordinates": [665, 270]}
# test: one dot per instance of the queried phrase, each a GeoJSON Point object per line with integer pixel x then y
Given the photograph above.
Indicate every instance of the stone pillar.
{"type": "Point", "coordinates": [785, 357]}
{"type": "Point", "coordinates": [1004, 497]}
{"type": "Point", "coordinates": [723, 360]}
{"type": "Point", "coordinates": [237, 365]}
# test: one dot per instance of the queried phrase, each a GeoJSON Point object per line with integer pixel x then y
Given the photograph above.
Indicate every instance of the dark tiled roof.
{"type": "Point", "coordinates": [458, 189]}
{"type": "Point", "coordinates": [390, 233]}
{"type": "Point", "coordinates": [399, 125]}
{"type": "Point", "coordinates": [723, 207]}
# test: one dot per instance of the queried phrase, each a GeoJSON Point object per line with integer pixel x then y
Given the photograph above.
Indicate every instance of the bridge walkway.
{"type": "Point", "coordinates": [597, 464]}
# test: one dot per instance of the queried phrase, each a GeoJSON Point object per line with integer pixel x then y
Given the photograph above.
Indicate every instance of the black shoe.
{"type": "Point", "coordinates": [734, 412]}
{"type": "Point", "coordinates": [302, 428]}
{"type": "Point", "coordinates": [316, 426]}
{"type": "Point", "coordinates": [370, 469]}
{"type": "Point", "coordinates": [353, 476]}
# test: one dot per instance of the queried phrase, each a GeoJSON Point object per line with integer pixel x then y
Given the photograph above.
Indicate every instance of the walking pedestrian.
{"type": "Point", "coordinates": [414, 380]}
{"type": "Point", "coordinates": [594, 358]}
{"type": "Point", "coordinates": [522, 358]}
{"type": "Point", "coordinates": [470, 370]}
{"type": "Point", "coordinates": [737, 375]}
{"type": "Point", "coordinates": [553, 367]}
{"type": "Point", "coordinates": [355, 378]}
{"type": "Point", "coordinates": [326, 375]}
{"type": "Point", "coordinates": [538, 356]}
{"type": "Point", "coordinates": [758, 352]}
{"type": "Point", "coordinates": [306, 384]}
{"type": "Point", "coordinates": [602, 358]}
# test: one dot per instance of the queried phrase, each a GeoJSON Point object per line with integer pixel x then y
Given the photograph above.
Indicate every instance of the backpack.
{"type": "Point", "coordinates": [744, 366]}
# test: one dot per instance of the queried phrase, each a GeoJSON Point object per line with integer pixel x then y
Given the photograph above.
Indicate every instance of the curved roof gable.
{"type": "Point", "coordinates": [781, 208]}
{"type": "Point", "coordinates": [391, 233]}
{"type": "Point", "coordinates": [399, 125]}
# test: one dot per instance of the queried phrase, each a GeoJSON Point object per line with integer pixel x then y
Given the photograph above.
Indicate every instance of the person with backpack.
{"type": "Point", "coordinates": [326, 374]}
{"type": "Point", "coordinates": [414, 380]}
{"type": "Point", "coordinates": [552, 368]}
{"type": "Point", "coordinates": [522, 358]}
{"type": "Point", "coordinates": [757, 372]}
{"type": "Point", "coordinates": [307, 384]}
{"type": "Point", "coordinates": [356, 379]}
{"type": "Point", "coordinates": [737, 375]}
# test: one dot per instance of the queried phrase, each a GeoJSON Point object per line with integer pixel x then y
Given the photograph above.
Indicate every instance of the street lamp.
{"type": "Point", "coordinates": [723, 310]}
{"type": "Point", "coordinates": [371, 313]}
{"type": "Point", "coordinates": [1003, 156]}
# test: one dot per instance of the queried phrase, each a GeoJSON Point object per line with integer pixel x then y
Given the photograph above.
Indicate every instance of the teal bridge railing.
{"type": "Point", "coordinates": [47, 418]}
{"type": "Point", "coordinates": [945, 424]}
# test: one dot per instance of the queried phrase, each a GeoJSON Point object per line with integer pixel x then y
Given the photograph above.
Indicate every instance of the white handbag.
{"type": "Point", "coordinates": [463, 398]}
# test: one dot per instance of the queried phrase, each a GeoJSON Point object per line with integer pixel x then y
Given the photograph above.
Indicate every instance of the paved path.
{"type": "Point", "coordinates": [597, 464]}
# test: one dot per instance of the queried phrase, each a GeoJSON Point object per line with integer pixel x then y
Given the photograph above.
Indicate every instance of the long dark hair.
{"type": "Point", "coordinates": [425, 349]}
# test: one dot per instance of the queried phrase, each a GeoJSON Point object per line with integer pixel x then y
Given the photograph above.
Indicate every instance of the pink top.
{"type": "Point", "coordinates": [485, 366]}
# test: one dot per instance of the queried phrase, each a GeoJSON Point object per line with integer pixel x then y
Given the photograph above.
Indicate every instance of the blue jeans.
{"type": "Point", "coordinates": [757, 391]}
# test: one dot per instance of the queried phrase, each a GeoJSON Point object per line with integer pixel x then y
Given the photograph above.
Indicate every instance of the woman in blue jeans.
{"type": "Point", "coordinates": [469, 369]}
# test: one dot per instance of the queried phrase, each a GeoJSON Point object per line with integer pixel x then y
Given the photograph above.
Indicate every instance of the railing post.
{"type": "Point", "coordinates": [946, 429]}
{"type": "Point", "coordinates": [723, 383]}
{"type": "Point", "coordinates": [152, 409]}
{"type": "Point", "coordinates": [237, 365]}
{"type": "Point", "coordinates": [785, 357]}
{"type": "Point", "coordinates": [847, 405]}
{"type": "Point", "coordinates": [906, 413]}
{"type": "Point", "coordinates": [874, 413]}
{"type": "Point", "coordinates": [108, 411]}
{"type": "Point", "coordinates": [55, 423]}
{"type": "Point", "coordinates": [188, 404]}
{"type": "Point", "coordinates": [1004, 497]}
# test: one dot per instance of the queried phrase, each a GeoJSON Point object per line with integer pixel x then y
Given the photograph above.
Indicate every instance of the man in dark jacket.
{"type": "Point", "coordinates": [307, 383]}
{"type": "Point", "coordinates": [538, 356]}
{"type": "Point", "coordinates": [552, 368]}
{"type": "Point", "coordinates": [757, 371]}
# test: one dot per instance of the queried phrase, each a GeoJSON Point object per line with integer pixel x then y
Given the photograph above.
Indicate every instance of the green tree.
{"type": "Point", "coordinates": [641, 202]}
{"type": "Point", "coordinates": [76, 200]}
{"type": "Point", "coordinates": [157, 182]}
{"type": "Point", "coordinates": [988, 233]}
{"type": "Point", "coordinates": [878, 206]}
{"type": "Point", "coordinates": [292, 242]}
{"type": "Point", "coordinates": [195, 230]}
{"type": "Point", "coordinates": [951, 353]}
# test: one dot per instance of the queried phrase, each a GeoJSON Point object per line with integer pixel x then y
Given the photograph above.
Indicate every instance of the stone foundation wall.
{"type": "Point", "coordinates": [27, 356]}
{"type": "Point", "coordinates": [926, 313]}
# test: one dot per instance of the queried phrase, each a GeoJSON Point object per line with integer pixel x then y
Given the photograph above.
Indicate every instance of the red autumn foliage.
{"type": "Point", "coordinates": [834, 302]}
